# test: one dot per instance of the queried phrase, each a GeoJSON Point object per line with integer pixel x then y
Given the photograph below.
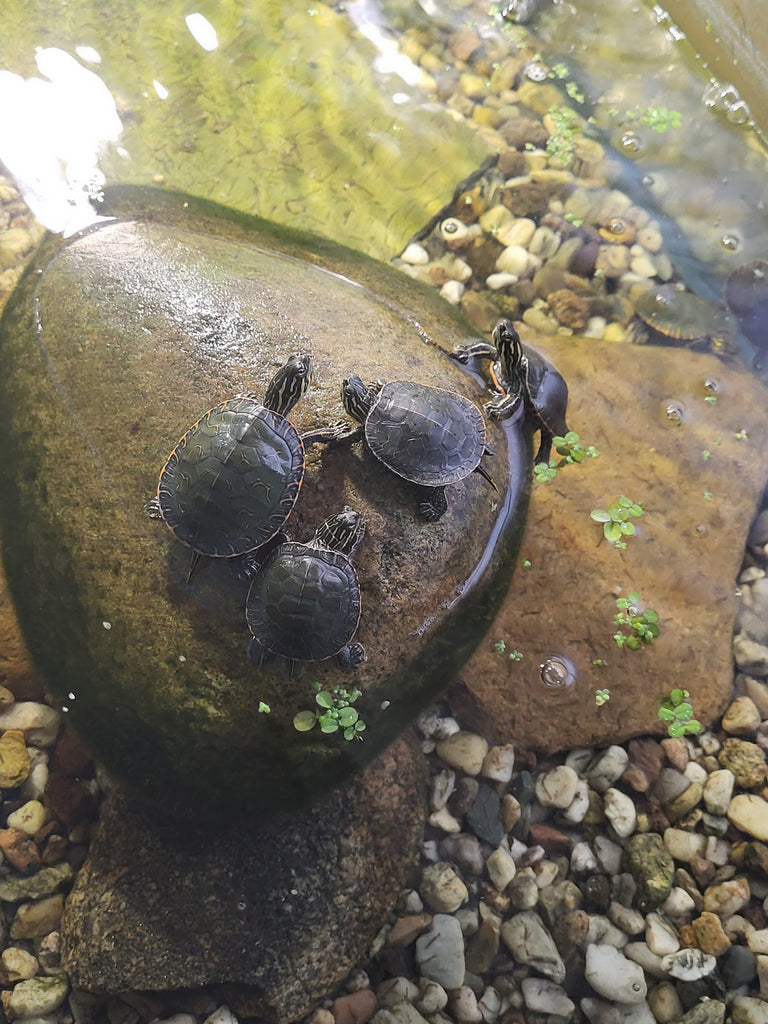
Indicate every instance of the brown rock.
{"type": "Point", "coordinates": [14, 759]}
{"type": "Point", "coordinates": [68, 799]}
{"type": "Point", "coordinates": [682, 562]}
{"type": "Point", "coordinates": [552, 839]}
{"type": "Point", "coordinates": [312, 926]}
{"type": "Point", "coordinates": [484, 944]}
{"type": "Point", "coordinates": [746, 760]}
{"type": "Point", "coordinates": [755, 857]}
{"type": "Point", "coordinates": [355, 1008]}
{"type": "Point", "coordinates": [34, 920]}
{"type": "Point", "coordinates": [20, 850]}
{"type": "Point", "coordinates": [676, 751]}
{"type": "Point", "coordinates": [709, 934]}
{"type": "Point", "coordinates": [741, 717]}
{"type": "Point", "coordinates": [645, 758]}
{"type": "Point", "coordinates": [70, 756]}
{"type": "Point", "coordinates": [570, 309]}
{"type": "Point", "coordinates": [406, 929]}
{"type": "Point", "coordinates": [570, 931]}
{"type": "Point", "coordinates": [703, 871]}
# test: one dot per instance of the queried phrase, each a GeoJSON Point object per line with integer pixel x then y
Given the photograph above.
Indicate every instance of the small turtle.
{"type": "Point", "coordinates": [426, 435]}
{"type": "Point", "coordinates": [671, 312]}
{"type": "Point", "coordinates": [232, 480]}
{"type": "Point", "coordinates": [528, 383]}
{"type": "Point", "coordinates": [304, 601]}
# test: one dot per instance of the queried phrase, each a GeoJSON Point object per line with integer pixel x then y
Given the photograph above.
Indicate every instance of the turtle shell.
{"type": "Point", "coordinates": [304, 602]}
{"type": "Point", "coordinates": [547, 391]}
{"type": "Point", "coordinates": [427, 435]}
{"type": "Point", "coordinates": [232, 480]}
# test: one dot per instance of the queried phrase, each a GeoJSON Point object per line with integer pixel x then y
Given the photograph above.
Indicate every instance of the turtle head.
{"type": "Point", "coordinates": [342, 531]}
{"type": "Point", "coordinates": [289, 383]}
{"type": "Point", "coordinates": [510, 350]}
{"type": "Point", "coordinates": [357, 398]}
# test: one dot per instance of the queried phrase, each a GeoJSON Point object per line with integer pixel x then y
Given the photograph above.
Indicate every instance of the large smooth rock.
{"type": "Point", "coordinates": [114, 344]}
{"type": "Point", "coordinates": [683, 561]}
{"type": "Point", "coordinates": [274, 915]}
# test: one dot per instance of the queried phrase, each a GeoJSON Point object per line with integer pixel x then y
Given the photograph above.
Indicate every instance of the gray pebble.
{"type": "Point", "coordinates": [530, 943]}
{"type": "Point", "coordinates": [440, 952]}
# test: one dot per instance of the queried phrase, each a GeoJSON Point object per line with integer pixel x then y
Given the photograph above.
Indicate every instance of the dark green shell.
{"type": "Point", "coordinates": [232, 480]}
{"type": "Point", "coordinates": [304, 603]}
{"type": "Point", "coordinates": [424, 434]}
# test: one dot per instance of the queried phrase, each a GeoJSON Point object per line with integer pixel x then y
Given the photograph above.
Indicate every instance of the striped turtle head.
{"type": "Point", "coordinates": [341, 532]}
{"type": "Point", "coordinates": [289, 383]}
{"type": "Point", "coordinates": [357, 398]}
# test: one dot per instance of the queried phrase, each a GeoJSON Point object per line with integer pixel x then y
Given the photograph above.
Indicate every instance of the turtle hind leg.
{"type": "Point", "coordinates": [486, 475]}
{"type": "Point", "coordinates": [433, 504]}
{"type": "Point", "coordinates": [193, 566]}
{"type": "Point", "coordinates": [351, 656]}
{"type": "Point", "coordinates": [152, 509]}
{"type": "Point", "coordinates": [258, 653]}
{"type": "Point", "coordinates": [545, 447]}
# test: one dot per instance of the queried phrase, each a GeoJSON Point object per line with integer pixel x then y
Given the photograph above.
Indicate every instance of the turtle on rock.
{"type": "Point", "coordinates": [232, 480]}
{"type": "Point", "coordinates": [426, 435]}
{"type": "Point", "coordinates": [529, 384]}
{"type": "Point", "coordinates": [304, 599]}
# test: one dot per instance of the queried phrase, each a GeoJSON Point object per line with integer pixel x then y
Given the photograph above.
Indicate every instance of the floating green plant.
{"type": "Point", "coordinates": [677, 712]}
{"type": "Point", "coordinates": [602, 697]}
{"type": "Point", "coordinates": [570, 450]}
{"type": "Point", "coordinates": [336, 713]}
{"type": "Point", "coordinates": [616, 520]}
{"type": "Point", "coordinates": [644, 625]}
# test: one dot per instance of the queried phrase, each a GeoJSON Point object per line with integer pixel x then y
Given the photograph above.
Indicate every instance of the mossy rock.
{"type": "Point", "coordinates": [115, 342]}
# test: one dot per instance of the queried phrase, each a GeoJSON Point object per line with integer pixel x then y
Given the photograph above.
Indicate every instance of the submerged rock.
{"type": "Point", "coordinates": [699, 469]}
{"type": "Point", "coordinates": [163, 906]}
{"type": "Point", "coordinates": [119, 340]}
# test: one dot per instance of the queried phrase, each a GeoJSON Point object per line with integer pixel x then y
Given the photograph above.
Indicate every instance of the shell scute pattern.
{"type": "Point", "coordinates": [233, 479]}
{"type": "Point", "coordinates": [304, 603]}
{"type": "Point", "coordinates": [427, 435]}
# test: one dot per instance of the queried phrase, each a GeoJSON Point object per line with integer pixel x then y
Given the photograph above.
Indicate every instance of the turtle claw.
{"type": "Point", "coordinates": [152, 508]}
{"type": "Point", "coordinates": [351, 656]}
{"type": "Point", "coordinates": [434, 505]}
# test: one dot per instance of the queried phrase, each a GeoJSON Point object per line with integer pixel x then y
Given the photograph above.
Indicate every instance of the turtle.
{"type": "Point", "coordinates": [529, 384]}
{"type": "Point", "coordinates": [232, 480]}
{"type": "Point", "coordinates": [671, 312]}
{"type": "Point", "coordinates": [427, 435]}
{"type": "Point", "coordinates": [304, 600]}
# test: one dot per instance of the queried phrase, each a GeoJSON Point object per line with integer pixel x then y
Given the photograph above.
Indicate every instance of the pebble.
{"type": "Point", "coordinates": [611, 975]}
{"type": "Point", "coordinates": [620, 812]}
{"type": "Point", "coordinates": [499, 763]}
{"type": "Point", "coordinates": [440, 952]}
{"type": "Point", "coordinates": [501, 868]}
{"type": "Point", "coordinates": [689, 964]}
{"type": "Point", "coordinates": [30, 817]}
{"type": "Point", "coordinates": [728, 897]}
{"type": "Point", "coordinates": [431, 997]}
{"type": "Point", "coordinates": [557, 787]}
{"type": "Point", "coordinates": [718, 791]}
{"type": "Point", "coordinates": [35, 997]}
{"type": "Point", "coordinates": [442, 889]}
{"type": "Point", "coordinates": [607, 768]}
{"type": "Point", "coordinates": [39, 723]}
{"type": "Point", "coordinates": [749, 812]}
{"type": "Point", "coordinates": [741, 718]}
{"type": "Point", "coordinates": [530, 943]}
{"type": "Point", "coordinates": [684, 845]}
{"type": "Point", "coordinates": [415, 254]}
{"type": "Point", "coordinates": [660, 936]}
{"type": "Point", "coordinates": [748, 1010]}
{"type": "Point", "coordinates": [542, 996]}
{"type": "Point", "coordinates": [463, 750]}
{"type": "Point", "coordinates": [14, 759]}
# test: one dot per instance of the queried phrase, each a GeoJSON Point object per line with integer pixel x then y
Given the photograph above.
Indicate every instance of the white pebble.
{"type": "Point", "coordinates": [445, 821]}
{"type": "Point", "coordinates": [689, 964]}
{"type": "Point", "coordinates": [499, 763]}
{"type": "Point", "coordinates": [557, 787]}
{"type": "Point", "coordinates": [609, 766]}
{"type": "Point", "coordinates": [415, 254]}
{"type": "Point", "coordinates": [718, 790]}
{"type": "Point", "coordinates": [501, 280]}
{"type": "Point", "coordinates": [613, 976]}
{"type": "Point", "coordinates": [620, 812]}
{"type": "Point", "coordinates": [514, 260]}
{"type": "Point", "coordinates": [501, 868]}
{"type": "Point", "coordinates": [30, 817]}
{"type": "Point", "coordinates": [543, 996]}
{"type": "Point", "coordinates": [517, 232]}
{"type": "Point", "coordinates": [578, 807]}
{"type": "Point", "coordinates": [452, 292]}
{"type": "Point", "coordinates": [39, 723]}
{"type": "Point", "coordinates": [682, 845]}
{"type": "Point", "coordinates": [661, 937]}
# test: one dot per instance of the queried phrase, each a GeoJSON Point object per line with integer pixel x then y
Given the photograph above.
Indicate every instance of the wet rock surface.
{"type": "Point", "coordinates": [163, 907]}
{"type": "Point", "coordinates": [143, 325]}
{"type": "Point", "coordinates": [699, 483]}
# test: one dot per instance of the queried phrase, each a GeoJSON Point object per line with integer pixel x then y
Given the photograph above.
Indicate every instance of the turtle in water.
{"type": "Point", "coordinates": [232, 480]}
{"type": "Point", "coordinates": [669, 312]}
{"type": "Point", "coordinates": [529, 384]}
{"type": "Point", "coordinates": [304, 600]}
{"type": "Point", "coordinates": [426, 435]}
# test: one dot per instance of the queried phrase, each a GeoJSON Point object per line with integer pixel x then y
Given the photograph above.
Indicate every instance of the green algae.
{"type": "Point", "coordinates": [286, 119]}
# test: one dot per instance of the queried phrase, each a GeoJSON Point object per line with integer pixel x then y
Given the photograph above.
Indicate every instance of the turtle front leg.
{"type": "Point", "coordinates": [332, 435]}
{"type": "Point", "coordinates": [504, 407]}
{"type": "Point", "coordinates": [152, 508]}
{"type": "Point", "coordinates": [351, 656]}
{"type": "Point", "coordinates": [433, 504]}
